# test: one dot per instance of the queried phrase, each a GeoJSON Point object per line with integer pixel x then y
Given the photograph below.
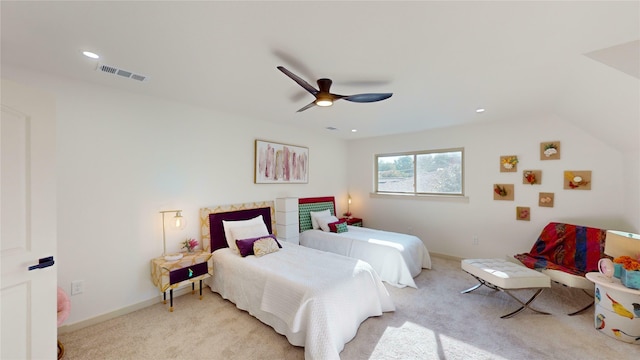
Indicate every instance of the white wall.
{"type": "Point", "coordinates": [123, 157]}
{"type": "Point", "coordinates": [448, 226]}
{"type": "Point", "coordinates": [118, 166]}
{"type": "Point", "coordinates": [631, 175]}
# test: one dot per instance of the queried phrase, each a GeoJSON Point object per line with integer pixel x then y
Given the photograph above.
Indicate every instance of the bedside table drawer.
{"type": "Point", "coordinates": [188, 272]}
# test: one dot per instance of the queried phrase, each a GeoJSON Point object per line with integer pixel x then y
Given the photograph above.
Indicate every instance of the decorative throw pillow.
{"type": "Point", "coordinates": [325, 221]}
{"type": "Point", "coordinates": [245, 232]}
{"type": "Point", "coordinates": [245, 246]}
{"type": "Point", "coordinates": [315, 215]}
{"type": "Point", "coordinates": [339, 226]}
{"type": "Point", "coordinates": [264, 246]}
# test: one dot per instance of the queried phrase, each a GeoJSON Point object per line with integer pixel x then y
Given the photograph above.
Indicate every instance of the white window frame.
{"type": "Point", "coordinates": [414, 154]}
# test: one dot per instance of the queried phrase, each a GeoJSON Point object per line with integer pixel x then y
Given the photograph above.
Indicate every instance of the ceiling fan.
{"type": "Point", "coordinates": [325, 98]}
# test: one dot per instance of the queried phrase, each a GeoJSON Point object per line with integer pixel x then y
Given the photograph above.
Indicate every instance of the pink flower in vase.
{"type": "Point", "coordinates": [190, 244]}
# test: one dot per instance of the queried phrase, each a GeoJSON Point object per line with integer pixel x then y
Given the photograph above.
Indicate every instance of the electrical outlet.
{"type": "Point", "coordinates": [77, 287]}
{"type": "Point", "coordinates": [475, 239]}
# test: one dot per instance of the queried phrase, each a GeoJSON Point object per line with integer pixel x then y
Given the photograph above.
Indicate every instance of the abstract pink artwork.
{"type": "Point", "coordinates": [280, 163]}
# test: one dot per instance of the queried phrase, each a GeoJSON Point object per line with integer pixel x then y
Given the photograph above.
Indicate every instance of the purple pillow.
{"type": "Point", "coordinates": [246, 245]}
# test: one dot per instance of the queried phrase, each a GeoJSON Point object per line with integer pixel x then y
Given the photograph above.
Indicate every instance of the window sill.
{"type": "Point", "coordinates": [447, 198]}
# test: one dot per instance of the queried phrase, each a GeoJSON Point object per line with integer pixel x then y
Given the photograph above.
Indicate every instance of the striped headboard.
{"type": "Point", "coordinates": [314, 204]}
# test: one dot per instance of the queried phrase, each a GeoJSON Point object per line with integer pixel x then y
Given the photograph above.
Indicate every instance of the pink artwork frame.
{"type": "Point", "coordinates": [277, 163]}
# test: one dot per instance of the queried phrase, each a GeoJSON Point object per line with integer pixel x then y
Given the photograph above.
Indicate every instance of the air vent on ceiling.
{"type": "Point", "coordinates": [120, 72]}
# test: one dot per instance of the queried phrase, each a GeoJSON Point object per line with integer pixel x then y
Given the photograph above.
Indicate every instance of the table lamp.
{"type": "Point", "coordinates": [620, 243]}
{"type": "Point", "coordinates": [177, 222]}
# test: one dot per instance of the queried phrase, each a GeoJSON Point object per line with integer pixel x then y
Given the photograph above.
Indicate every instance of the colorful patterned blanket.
{"type": "Point", "coordinates": [570, 248]}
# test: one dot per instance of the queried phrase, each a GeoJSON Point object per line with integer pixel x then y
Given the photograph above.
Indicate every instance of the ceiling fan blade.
{"type": "Point", "coordinates": [312, 104]}
{"type": "Point", "coordinates": [294, 63]}
{"type": "Point", "coordinates": [297, 79]}
{"type": "Point", "coordinates": [299, 95]}
{"type": "Point", "coordinates": [367, 98]}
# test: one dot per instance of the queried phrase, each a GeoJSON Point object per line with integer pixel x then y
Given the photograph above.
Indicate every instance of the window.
{"type": "Point", "coordinates": [430, 172]}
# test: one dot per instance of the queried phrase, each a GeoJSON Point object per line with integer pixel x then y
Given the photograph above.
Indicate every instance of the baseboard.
{"type": "Point", "coordinates": [456, 258]}
{"type": "Point", "coordinates": [445, 256]}
{"type": "Point", "coordinates": [123, 311]}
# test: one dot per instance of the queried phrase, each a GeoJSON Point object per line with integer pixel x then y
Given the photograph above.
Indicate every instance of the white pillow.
{"type": "Point", "coordinates": [249, 232]}
{"type": "Point", "coordinates": [228, 225]}
{"type": "Point", "coordinates": [315, 215]}
{"type": "Point", "coordinates": [325, 221]}
{"type": "Point", "coordinates": [245, 232]}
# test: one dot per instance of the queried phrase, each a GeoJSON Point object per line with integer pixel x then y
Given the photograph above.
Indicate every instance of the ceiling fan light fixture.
{"type": "Point", "coordinates": [324, 100]}
{"type": "Point", "coordinates": [323, 95]}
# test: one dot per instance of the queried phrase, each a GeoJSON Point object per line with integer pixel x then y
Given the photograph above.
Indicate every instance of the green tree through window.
{"type": "Point", "coordinates": [424, 172]}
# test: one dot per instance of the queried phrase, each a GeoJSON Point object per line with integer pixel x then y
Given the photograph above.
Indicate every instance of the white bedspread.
{"type": "Point", "coordinates": [316, 299]}
{"type": "Point", "coordinates": [396, 257]}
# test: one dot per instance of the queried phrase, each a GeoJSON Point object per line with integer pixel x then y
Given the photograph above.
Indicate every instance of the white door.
{"type": "Point", "coordinates": [27, 223]}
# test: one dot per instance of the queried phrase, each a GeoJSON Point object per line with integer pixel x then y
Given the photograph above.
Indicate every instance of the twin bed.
{"type": "Point", "coordinates": [396, 257]}
{"type": "Point", "coordinates": [316, 298]}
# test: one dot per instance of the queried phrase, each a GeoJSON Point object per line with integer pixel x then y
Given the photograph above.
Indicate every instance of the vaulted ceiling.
{"type": "Point", "coordinates": [441, 60]}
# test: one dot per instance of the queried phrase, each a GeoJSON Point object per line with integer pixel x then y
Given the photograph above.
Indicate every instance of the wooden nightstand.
{"type": "Point", "coordinates": [168, 275]}
{"type": "Point", "coordinates": [354, 221]}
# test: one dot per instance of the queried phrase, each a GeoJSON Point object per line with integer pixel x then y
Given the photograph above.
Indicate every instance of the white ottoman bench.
{"type": "Point", "coordinates": [503, 275]}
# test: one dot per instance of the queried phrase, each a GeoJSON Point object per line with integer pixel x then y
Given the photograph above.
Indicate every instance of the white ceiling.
{"type": "Point", "coordinates": [442, 60]}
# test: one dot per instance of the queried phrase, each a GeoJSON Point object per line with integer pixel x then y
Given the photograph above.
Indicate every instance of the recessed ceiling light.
{"type": "Point", "coordinates": [89, 54]}
{"type": "Point", "coordinates": [479, 110]}
{"type": "Point", "coordinates": [354, 130]}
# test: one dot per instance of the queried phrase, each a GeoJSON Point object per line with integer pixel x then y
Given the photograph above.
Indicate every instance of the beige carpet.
{"type": "Point", "coordinates": [433, 322]}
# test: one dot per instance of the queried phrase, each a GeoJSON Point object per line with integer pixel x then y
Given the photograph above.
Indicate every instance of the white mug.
{"type": "Point", "coordinates": [606, 267]}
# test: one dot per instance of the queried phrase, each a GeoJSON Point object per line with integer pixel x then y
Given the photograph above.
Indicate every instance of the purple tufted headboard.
{"type": "Point", "coordinates": [218, 239]}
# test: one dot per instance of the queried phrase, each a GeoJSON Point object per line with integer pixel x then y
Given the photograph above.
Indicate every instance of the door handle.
{"type": "Point", "coordinates": [43, 263]}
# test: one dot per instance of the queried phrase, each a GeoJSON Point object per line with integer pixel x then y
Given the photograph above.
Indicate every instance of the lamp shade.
{"type": "Point", "coordinates": [619, 243]}
{"type": "Point", "coordinates": [178, 221]}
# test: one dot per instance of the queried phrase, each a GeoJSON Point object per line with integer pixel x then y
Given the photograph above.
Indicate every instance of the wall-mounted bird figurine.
{"type": "Point", "coordinates": [619, 308]}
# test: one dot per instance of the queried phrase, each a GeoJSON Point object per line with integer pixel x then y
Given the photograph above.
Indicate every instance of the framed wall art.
{"type": "Point", "coordinates": [280, 163]}
{"type": "Point", "coordinates": [550, 150]}
{"type": "Point", "coordinates": [503, 192]}
{"type": "Point", "coordinates": [532, 177]}
{"type": "Point", "coordinates": [523, 213]}
{"type": "Point", "coordinates": [508, 163]}
{"type": "Point", "coordinates": [577, 180]}
{"type": "Point", "coordinates": [545, 199]}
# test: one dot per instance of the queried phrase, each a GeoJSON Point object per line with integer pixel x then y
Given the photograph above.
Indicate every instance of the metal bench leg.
{"type": "Point", "coordinates": [481, 282]}
{"type": "Point", "coordinates": [517, 311]}
{"type": "Point", "coordinates": [524, 305]}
